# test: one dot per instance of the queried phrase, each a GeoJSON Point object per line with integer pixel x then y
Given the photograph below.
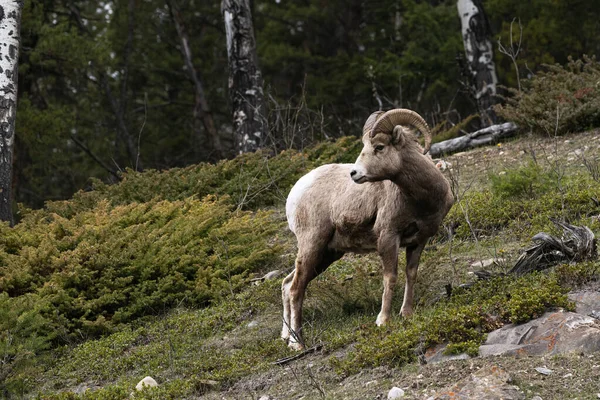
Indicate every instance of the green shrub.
{"type": "Point", "coordinates": [558, 101]}
{"type": "Point", "coordinates": [522, 205]}
{"type": "Point", "coordinates": [251, 180]}
{"type": "Point", "coordinates": [529, 180]}
{"type": "Point", "coordinates": [113, 264]}
{"type": "Point", "coordinates": [462, 321]}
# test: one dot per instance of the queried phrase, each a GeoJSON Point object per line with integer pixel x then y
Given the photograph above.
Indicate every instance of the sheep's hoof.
{"type": "Point", "coordinates": [285, 334]}
{"type": "Point", "coordinates": [296, 346]}
{"type": "Point", "coordinates": [381, 320]}
{"type": "Point", "coordinates": [406, 313]}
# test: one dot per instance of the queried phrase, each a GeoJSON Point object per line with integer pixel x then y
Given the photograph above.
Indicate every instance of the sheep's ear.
{"type": "Point", "coordinates": [398, 137]}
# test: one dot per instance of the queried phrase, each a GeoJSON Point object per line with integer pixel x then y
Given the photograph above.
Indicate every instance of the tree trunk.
{"type": "Point", "coordinates": [479, 53]}
{"type": "Point", "coordinates": [118, 108]}
{"type": "Point", "coordinates": [202, 113]}
{"type": "Point", "coordinates": [484, 136]}
{"type": "Point", "coordinates": [245, 79]}
{"type": "Point", "coordinates": [10, 25]}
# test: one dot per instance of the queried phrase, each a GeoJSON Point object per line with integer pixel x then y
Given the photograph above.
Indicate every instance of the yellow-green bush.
{"type": "Point", "coordinates": [109, 265]}
{"type": "Point", "coordinates": [251, 180]}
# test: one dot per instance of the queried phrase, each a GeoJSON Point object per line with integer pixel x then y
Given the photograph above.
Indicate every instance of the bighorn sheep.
{"type": "Point", "coordinates": [393, 196]}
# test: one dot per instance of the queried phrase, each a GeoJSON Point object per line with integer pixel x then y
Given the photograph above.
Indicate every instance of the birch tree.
{"type": "Point", "coordinates": [479, 53]}
{"type": "Point", "coordinates": [10, 24]}
{"type": "Point", "coordinates": [245, 79]}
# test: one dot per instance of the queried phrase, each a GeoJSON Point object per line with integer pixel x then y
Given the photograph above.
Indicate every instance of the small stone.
{"type": "Point", "coordinates": [536, 398]}
{"type": "Point", "coordinates": [443, 165]}
{"type": "Point", "coordinates": [487, 263]}
{"type": "Point", "coordinates": [569, 375]}
{"type": "Point", "coordinates": [147, 382]}
{"type": "Point", "coordinates": [265, 397]}
{"type": "Point", "coordinates": [543, 370]}
{"type": "Point", "coordinates": [252, 324]}
{"type": "Point", "coordinates": [272, 275]}
{"type": "Point", "coordinates": [395, 393]}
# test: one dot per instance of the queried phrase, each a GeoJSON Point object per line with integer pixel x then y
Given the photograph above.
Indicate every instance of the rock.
{"type": "Point", "coordinates": [552, 333]}
{"type": "Point", "coordinates": [436, 354]}
{"type": "Point", "coordinates": [536, 398]}
{"type": "Point", "coordinates": [272, 275]}
{"type": "Point", "coordinates": [587, 302]}
{"type": "Point", "coordinates": [544, 370]}
{"type": "Point", "coordinates": [265, 397]}
{"type": "Point", "coordinates": [145, 383]}
{"type": "Point", "coordinates": [395, 393]}
{"type": "Point", "coordinates": [267, 277]}
{"type": "Point", "coordinates": [443, 165]}
{"type": "Point", "coordinates": [487, 263]}
{"type": "Point", "coordinates": [252, 324]}
{"type": "Point", "coordinates": [489, 383]}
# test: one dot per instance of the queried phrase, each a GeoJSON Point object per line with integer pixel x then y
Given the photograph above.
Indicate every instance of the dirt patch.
{"type": "Point", "coordinates": [572, 376]}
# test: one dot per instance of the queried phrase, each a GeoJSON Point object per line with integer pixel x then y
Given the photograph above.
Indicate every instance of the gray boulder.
{"type": "Point", "coordinates": [553, 333]}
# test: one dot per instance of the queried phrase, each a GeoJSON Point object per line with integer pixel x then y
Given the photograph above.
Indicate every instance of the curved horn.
{"type": "Point", "coordinates": [371, 121]}
{"type": "Point", "coordinates": [401, 116]}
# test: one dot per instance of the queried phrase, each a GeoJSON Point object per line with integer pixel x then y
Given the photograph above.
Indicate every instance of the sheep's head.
{"type": "Point", "coordinates": [387, 139]}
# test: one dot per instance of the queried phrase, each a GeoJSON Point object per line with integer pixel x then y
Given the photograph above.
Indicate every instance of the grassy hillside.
{"type": "Point", "coordinates": [152, 276]}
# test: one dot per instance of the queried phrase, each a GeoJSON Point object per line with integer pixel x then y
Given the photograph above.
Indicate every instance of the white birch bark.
{"type": "Point", "coordinates": [479, 53]}
{"type": "Point", "coordinates": [245, 79]}
{"type": "Point", "coordinates": [10, 25]}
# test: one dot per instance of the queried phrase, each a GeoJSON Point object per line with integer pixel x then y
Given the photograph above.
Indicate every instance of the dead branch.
{"type": "Point", "coordinates": [286, 360]}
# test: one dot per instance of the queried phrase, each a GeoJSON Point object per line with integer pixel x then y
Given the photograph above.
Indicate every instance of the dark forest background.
{"type": "Point", "coordinates": [103, 86]}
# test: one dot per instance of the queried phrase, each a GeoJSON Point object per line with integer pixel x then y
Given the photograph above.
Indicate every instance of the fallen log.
{"type": "Point", "coordinates": [489, 135]}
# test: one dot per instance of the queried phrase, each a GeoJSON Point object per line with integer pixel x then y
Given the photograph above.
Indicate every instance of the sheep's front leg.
{"type": "Point", "coordinates": [388, 251]}
{"type": "Point", "coordinates": [413, 255]}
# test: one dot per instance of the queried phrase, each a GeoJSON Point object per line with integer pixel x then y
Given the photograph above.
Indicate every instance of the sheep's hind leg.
{"type": "Point", "coordinates": [308, 266]}
{"type": "Point", "coordinates": [413, 255]}
{"type": "Point", "coordinates": [285, 296]}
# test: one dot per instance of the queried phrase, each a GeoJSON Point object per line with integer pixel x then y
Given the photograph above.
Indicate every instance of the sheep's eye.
{"type": "Point", "coordinates": [379, 147]}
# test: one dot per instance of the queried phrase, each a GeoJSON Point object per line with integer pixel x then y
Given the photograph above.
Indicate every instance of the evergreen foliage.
{"type": "Point", "coordinates": [559, 100]}
{"type": "Point", "coordinates": [87, 65]}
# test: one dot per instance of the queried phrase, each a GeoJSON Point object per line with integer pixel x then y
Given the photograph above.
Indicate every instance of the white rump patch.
{"type": "Point", "coordinates": [296, 194]}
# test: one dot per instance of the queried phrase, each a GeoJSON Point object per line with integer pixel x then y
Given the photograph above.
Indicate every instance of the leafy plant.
{"type": "Point", "coordinates": [529, 181]}
{"type": "Point", "coordinates": [558, 100]}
